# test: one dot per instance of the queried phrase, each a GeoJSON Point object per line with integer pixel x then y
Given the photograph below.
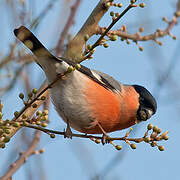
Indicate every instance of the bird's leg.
{"type": "Point", "coordinates": [105, 137]}
{"type": "Point", "coordinates": [68, 132]}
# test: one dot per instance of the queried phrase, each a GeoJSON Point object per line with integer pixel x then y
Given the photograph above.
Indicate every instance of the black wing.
{"type": "Point", "coordinates": [101, 78]}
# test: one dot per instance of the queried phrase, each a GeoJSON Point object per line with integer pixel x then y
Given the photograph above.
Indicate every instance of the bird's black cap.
{"type": "Point", "coordinates": [146, 99]}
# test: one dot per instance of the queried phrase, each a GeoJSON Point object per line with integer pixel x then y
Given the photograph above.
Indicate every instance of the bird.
{"type": "Point", "coordinates": [88, 100]}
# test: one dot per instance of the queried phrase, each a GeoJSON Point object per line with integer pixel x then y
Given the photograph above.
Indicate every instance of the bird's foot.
{"type": "Point", "coordinates": [67, 131]}
{"type": "Point", "coordinates": [105, 139]}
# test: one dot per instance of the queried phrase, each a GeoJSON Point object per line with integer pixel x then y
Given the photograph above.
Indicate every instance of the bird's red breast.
{"type": "Point", "coordinates": [114, 111]}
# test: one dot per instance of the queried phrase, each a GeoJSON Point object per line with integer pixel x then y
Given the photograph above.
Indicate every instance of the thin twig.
{"type": "Point", "coordinates": [9, 57]}
{"type": "Point", "coordinates": [110, 26]}
{"type": "Point", "coordinates": [28, 112]}
{"type": "Point", "coordinates": [67, 26]}
{"type": "Point", "coordinates": [27, 108]}
{"type": "Point", "coordinates": [125, 138]}
{"type": "Point", "coordinates": [44, 12]}
{"type": "Point", "coordinates": [38, 96]}
{"type": "Point", "coordinates": [137, 37]}
{"type": "Point", "coordinates": [75, 47]}
{"type": "Point", "coordinates": [23, 157]}
{"type": "Point", "coordinates": [15, 78]}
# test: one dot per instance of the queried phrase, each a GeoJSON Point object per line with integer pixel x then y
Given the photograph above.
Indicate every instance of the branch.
{"type": "Point", "coordinates": [43, 13]}
{"type": "Point", "coordinates": [26, 111]}
{"type": "Point", "coordinates": [75, 47]}
{"type": "Point", "coordinates": [23, 157]}
{"type": "Point", "coordinates": [106, 30]}
{"type": "Point", "coordinates": [15, 78]}
{"type": "Point", "coordinates": [69, 23]}
{"type": "Point", "coordinates": [137, 37]}
{"type": "Point", "coordinates": [155, 136]}
{"type": "Point", "coordinates": [11, 127]}
{"type": "Point", "coordinates": [9, 57]}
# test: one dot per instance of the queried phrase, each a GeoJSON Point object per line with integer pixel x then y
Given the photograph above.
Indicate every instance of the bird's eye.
{"type": "Point", "coordinates": [141, 99]}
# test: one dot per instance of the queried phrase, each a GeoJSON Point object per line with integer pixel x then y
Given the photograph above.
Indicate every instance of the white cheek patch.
{"type": "Point", "coordinates": [61, 67]}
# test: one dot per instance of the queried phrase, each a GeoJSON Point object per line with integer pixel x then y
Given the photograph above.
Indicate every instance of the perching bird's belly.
{"type": "Point", "coordinates": [70, 101]}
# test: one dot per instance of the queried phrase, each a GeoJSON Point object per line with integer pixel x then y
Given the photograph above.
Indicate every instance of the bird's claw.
{"type": "Point", "coordinates": [105, 139]}
{"type": "Point", "coordinates": [68, 132]}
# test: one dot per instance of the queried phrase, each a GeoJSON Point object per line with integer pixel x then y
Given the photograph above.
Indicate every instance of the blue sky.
{"type": "Point", "coordinates": [81, 158]}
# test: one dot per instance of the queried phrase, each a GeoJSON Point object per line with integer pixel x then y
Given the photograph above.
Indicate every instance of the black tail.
{"type": "Point", "coordinates": [31, 42]}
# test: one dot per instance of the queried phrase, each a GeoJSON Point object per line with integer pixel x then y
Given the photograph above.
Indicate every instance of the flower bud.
{"type": "Point", "coordinates": [150, 126]}
{"type": "Point", "coordinates": [16, 114]}
{"type": "Point", "coordinates": [21, 95]}
{"type": "Point", "coordinates": [161, 148]}
{"type": "Point", "coordinates": [86, 37]}
{"type": "Point", "coordinates": [142, 5]}
{"type": "Point", "coordinates": [133, 146]}
{"type": "Point", "coordinates": [52, 135]}
{"type": "Point", "coordinates": [34, 91]}
{"type": "Point", "coordinates": [118, 147]}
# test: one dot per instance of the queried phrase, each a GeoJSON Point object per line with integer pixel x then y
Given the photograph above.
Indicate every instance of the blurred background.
{"type": "Point", "coordinates": [156, 68]}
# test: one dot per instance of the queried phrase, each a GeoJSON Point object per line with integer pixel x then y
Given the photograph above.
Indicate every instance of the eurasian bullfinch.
{"type": "Point", "coordinates": [90, 101]}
